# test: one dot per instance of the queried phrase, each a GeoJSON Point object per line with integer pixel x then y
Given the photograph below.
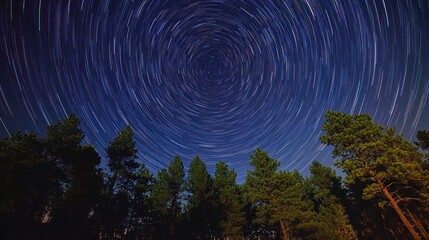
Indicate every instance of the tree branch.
{"type": "Point", "coordinates": [409, 199]}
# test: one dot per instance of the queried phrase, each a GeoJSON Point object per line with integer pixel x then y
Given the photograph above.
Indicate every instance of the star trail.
{"type": "Point", "coordinates": [213, 78]}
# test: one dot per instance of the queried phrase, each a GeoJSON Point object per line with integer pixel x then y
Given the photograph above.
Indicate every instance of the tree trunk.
{"type": "Point", "coordinates": [172, 214]}
{"type": "Point", "coordinates": [171, 230]}
{"type": "Point", "coordinates": [284, 230]}
{"type": "Point", "coordinates": [401, 215]}
{"type": "Point", "coordinates": [418, 224]}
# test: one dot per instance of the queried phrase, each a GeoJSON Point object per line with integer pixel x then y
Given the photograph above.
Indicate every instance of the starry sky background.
{"type": "Point", "coordinates": [213, 78]}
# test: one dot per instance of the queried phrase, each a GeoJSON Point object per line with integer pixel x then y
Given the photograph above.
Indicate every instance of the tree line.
{"type": "Point", "coordinates": [55, 188]}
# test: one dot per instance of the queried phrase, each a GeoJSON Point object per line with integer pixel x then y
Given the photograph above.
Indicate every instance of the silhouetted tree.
{"type": "Point", "coordinates": [53, 188]}
{"type": "Point", "coordinates": [28, 182]}
{"type": "Point", "coordinates": [140, 220]}
{"type": "Point", "coordinates": [80, 178]}
{"type": "Point", "coordinates": [122, 154]}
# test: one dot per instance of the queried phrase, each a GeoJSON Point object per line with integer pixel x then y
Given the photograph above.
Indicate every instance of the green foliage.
{"type": "Point", "coordinates": [161, 192]}
{"type": "Point", "coordinates": [122, 151]}
{"type": "Point", "coordinates": [277, 197]}
{"type": "Point", "coordinates": [167, 196]}
{"type": "Point", "coordinates": [332, 219]}
{"type": "Point", "coordinates": [54, 188]}
{"type": "Point", "coordinates": [65, 136]}
{"type": "Point", "coordinates": [230, 206]}
{"type": "Point", "coordinates": [389, 167]}
{"type": "Point", "coordinates": [423, 139]}
{"type": "Point", "coordinates": [80, 178]}
{"type": "Point", "coordinates": [264, 166]}
{"type": "Point", "coordinates": [423, 143]}
{"type": "Point", "coordinates": [122, 155]}
{"type": "Point", "coordinates": [200, 206]}
{"type": "Point", "coordinates": [287, 204]}
{"type": "Point", "coordinates": [371, 153]}
{"type": "Point", "coordinates": [200, 182]}
{"type": "Point", "coordinates": [140, 219]}
{"type": "Point", "coordinates": [27, 179]}
{"type": "Point", "coordinates": [176, 178]}
{"type": "Point", "coordinates": [258, 183]}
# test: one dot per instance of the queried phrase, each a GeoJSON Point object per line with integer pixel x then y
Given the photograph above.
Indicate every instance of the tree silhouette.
{"type": "Point", "coordinates": [28, 182]}
{"type": "Point", "coordinates": [116, 210]}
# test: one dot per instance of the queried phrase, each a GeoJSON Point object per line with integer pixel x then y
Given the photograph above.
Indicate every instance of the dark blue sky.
{"type": "Point", "coordinates": [213, 78]}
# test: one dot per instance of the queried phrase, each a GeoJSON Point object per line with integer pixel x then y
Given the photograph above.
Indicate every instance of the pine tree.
{"type": "Point", "coordinates": [28, 182]}
{"type": "Point", "coordinates": [390, 167]}
{"type": "Point", "coordinates": [200, 204]}
{"type": "Point", "coordinates": [115, 212]}
{"type": "Point", "coordinates": [258, 183]}
{"type": "Point", "coordinates": [79, 177]}
{"type": "Point", "coordinates": [277, 197]}
{"type": "Point", "coordinates": [167, 196]}
{"type": "Point", "coordinates": [331, 214]}
{"type": "Point", "coordinates": [423, 139]}
{"type": "Point", "coordinates": [230, 206]}
{"type": "Point", "coordinates": [288, 205]}
{"type": "Point", "coordinates": [140, 220]}
{"type": "Point", "coordinates": [122, 155]}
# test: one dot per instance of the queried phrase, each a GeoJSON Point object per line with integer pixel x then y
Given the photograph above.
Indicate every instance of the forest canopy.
{"type": "Point", "coordinates": [54, 187]}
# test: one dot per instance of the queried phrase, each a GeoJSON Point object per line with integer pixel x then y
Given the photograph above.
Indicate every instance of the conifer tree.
{"type": "Point", "coordinates": [277, 197]}
{"type": "Point", "coordinates": [28, 182]}
{"type": "Point", "coordinates": [423, 139]}
{"type": "Point", "coordinates": [167, 196]}
{"type": "Point", "coordinates": [389, 166]}
{"type": "Point", "coordinates": [115, 212]}
{"type": "Point", "coordinates": [200, 204]}
{"type": "Point", "coordinates": [230, 206]}
{"type": "Point", "coordinates": [289, 207]}
{"type": "Point", "coordinates": [258, 183]}
{"type": "Point", "coordinates": [122, 154]}
{"type": "Point", "coordinates": [331, 214]}
{"type": "Point", "coordinates": [140, 221]}
{"type": "Point", "coordinates": [79, 176]}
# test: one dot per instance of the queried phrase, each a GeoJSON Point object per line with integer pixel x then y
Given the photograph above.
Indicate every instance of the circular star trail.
{"type": "Point", "coordinates": [214, 78]}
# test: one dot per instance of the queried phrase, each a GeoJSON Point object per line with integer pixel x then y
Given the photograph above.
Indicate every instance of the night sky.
{"type": "Point", "coordinates": [213, 78]}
